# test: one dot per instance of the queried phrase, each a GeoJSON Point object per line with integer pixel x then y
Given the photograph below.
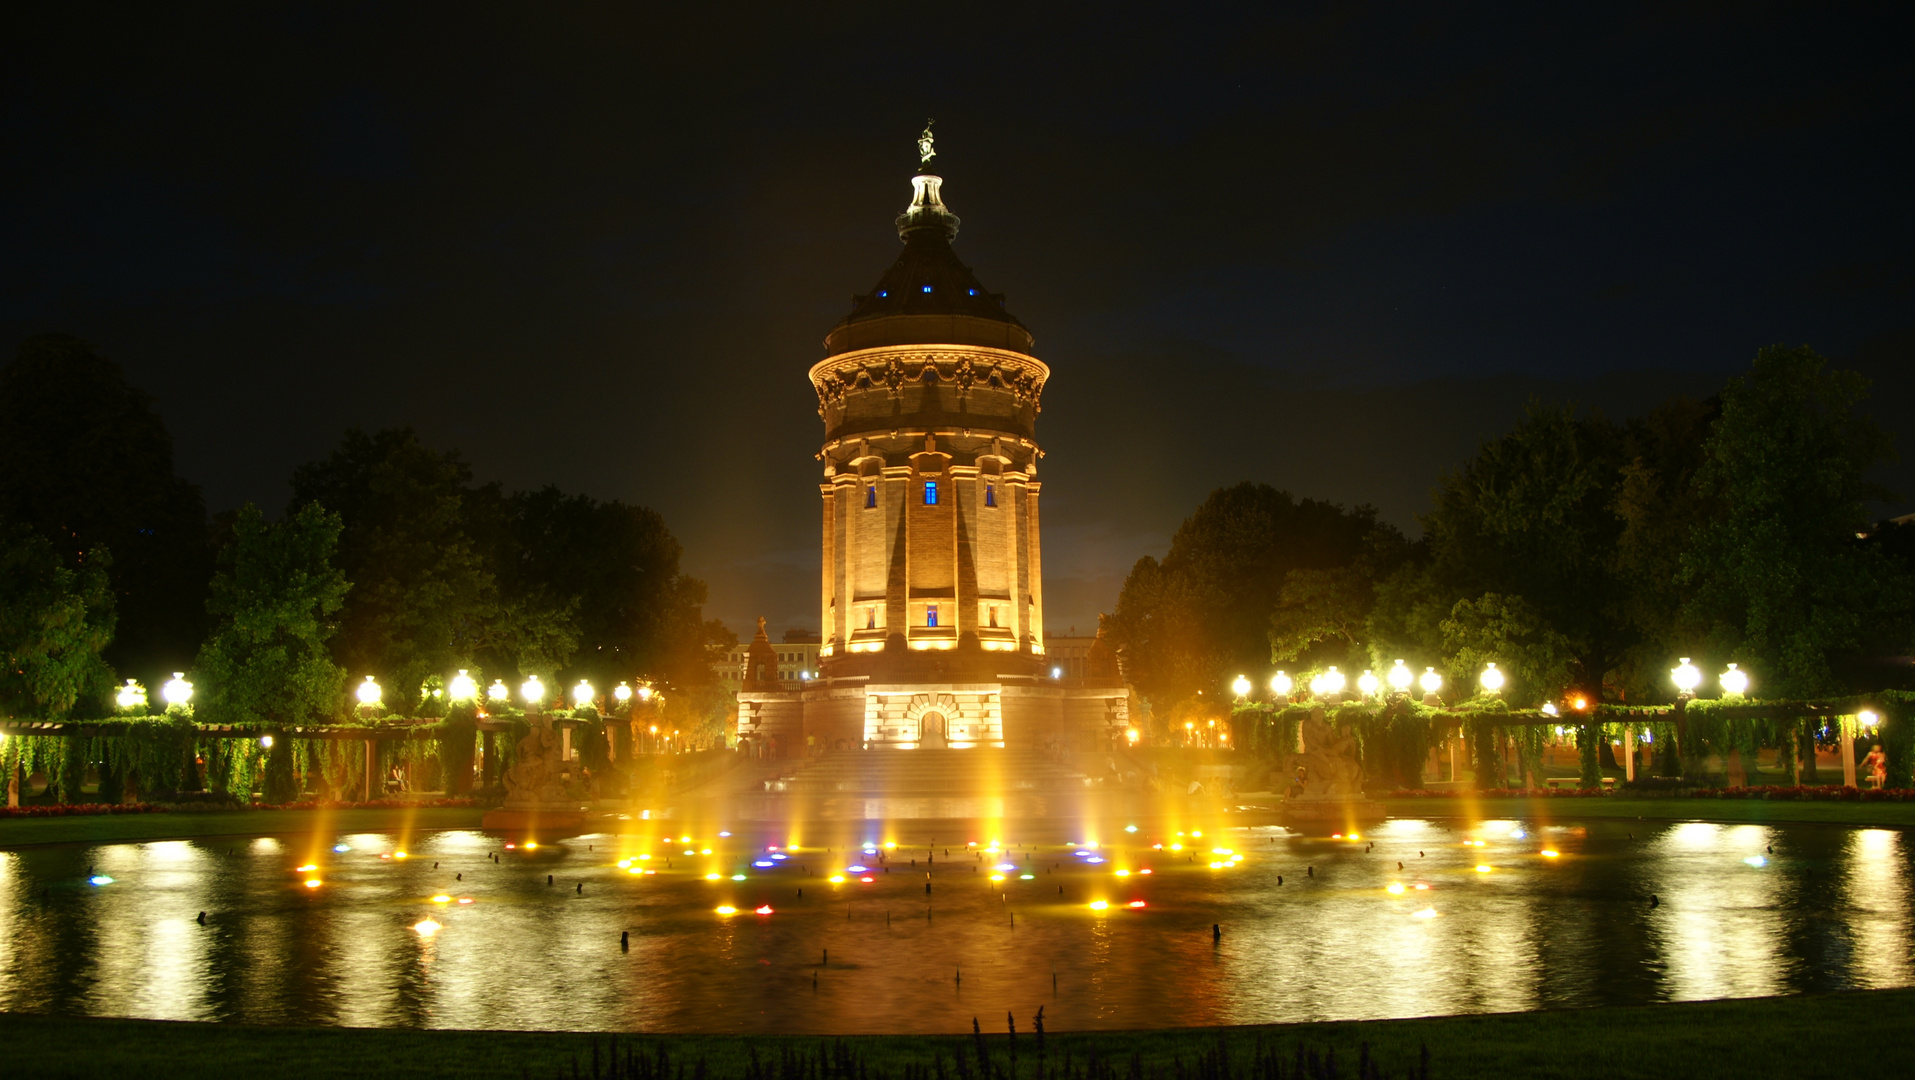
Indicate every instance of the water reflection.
{"type": "Point", "coordinates": [1310, 929]}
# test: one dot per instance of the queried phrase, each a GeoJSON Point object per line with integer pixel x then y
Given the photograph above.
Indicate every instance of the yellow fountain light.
{"type": "Point", "coordinates": [442, 899]}
{"type": "Point", "coordinates": [312, 883]}
{"type": "Point", "coordinates": [1550, 853]}
{"type": "Point", "coordinates": [1426, 913]}
{"type": "Point", "coordinates": [306, 869]}
{"type": "Point", "coordinates": [837, 879]}
{"type": "Point", "coordinates": [1482, 868]}
{"type": "Point", "coordinates": [1099, 905]}
{"type": "Point", "coordinates": [725, 909]}
{"type": "Point", "coordinates": [531, 845]}
{"type": "Point", "coordinates": [714, 877]}
{"type": "Point", "coordinates": [1395, 889]}
{"type": "Point", "coordinates": [994, 877]}
{"type": "Point", "coordinates": [1123, 873]}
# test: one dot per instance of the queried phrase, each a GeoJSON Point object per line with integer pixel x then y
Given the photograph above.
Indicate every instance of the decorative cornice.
{"type": "Point", "coordinates": [892, 368]}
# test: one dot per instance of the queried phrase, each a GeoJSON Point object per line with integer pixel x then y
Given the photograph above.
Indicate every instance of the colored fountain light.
{"type": "Point", "coordinates": [1130, 828]}
{"type": "Point", "coordinates": [1136, 903]}
{"type": "Point", "coordinates": [726, 909]}
{"type": "Point", "coordinates": [99, 879]}
{"type": "Point", "coordinates": [764, 909]}
{"type": "Point", "coordinates": [837, 879]}
{"type": "Point", "coordinates": [1482, 869]}
{"type": "Point", "coordinates": [714, 877]}
{"type": "Point", "coordinates": [305, 869]}
{"type": "Point", "coordinates": [723, 832]}
{"type": "Point", "coordinates": [738, 877]}
{"type": "Point", "coordinates": [867, 879]}
{"type": "Point", "coordinates": [1396, 888]}
{"type": "Point", "coordinates": [1099, 905]}
{"type": "Point", "coordinates": [1756, 860]}
{"type": "Point", "coordinates": [312, 883]}
{"type": "Point", "coordinates": [854, 869]}
{"type": "Point", "coordinates": [342, 847]}
{"type": "Point", "coordinates": [1550, 853]}
{"type": "Point", "coordinates": [442, 899]}
{"type": "Point", "coordinates": [1426, 913]}
{"type": "Point", "coordinates": [765, 863]}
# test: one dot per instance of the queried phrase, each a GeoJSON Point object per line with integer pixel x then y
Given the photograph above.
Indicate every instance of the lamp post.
{"type": "Point", "coordinates": [1431, 682]}
{"type": "Point", "coordinates": [1241, 686]}
{"type": "Point", "coordinates": [1400, 678]}
{"type": "Point", "coordinates": [1734, 682]}
{"type": "Point", "coordinates": [177, 691]}
{"type": "Point", "coordinates": [1368, 684]}
{"type": "Point", "coordinates": [1491, 679]}
{"type": "Point", "coordinates": [462, 687]}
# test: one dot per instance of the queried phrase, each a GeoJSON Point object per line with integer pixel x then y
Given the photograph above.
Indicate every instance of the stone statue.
{"type": "Point", "coordinates": [536, 776]}
{"type": "Point", "coordinates": [925, 152]}
{"type": "Point", "coordinates": [1327, 768]}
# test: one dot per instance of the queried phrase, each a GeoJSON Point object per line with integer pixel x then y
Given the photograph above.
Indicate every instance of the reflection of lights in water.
{"type": "Point", "coordinates": [427, 927]}
{"type": "Point", "coordinates": [1426, 913]}
{"type": "Point", "coordinates": [763, 909]}
{"type": "Point", "coordinates": [726, 909]}
{"type": "Point", "coordinates": [312, 883]}
{"type": "Point", "coordinates": [1396, 888]}
{"type": "Point", "coordinates": [1756, 860]}
{"type": "Point", "coordinates": [1099, 905]}
{"type": "Point", "coordinates": [442, 899]}
{"type": "Point", "coordinates": [1482, 869]}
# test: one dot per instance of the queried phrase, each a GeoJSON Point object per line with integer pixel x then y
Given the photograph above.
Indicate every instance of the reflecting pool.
{"type": "Point", "coordinates": [1104, 928]}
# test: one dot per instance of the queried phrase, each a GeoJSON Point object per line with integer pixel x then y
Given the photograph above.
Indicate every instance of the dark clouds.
{"type": "Point", "coordinates": [1328, 246]}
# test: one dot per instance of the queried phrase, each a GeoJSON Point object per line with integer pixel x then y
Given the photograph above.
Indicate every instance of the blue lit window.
{"type": "Point", "coordinates": [973, 292]}
{"type": "Point", "coordinates": [931, 615]}
{"type": "Point", "coordinates": [930, 493]}
{"type": "Point", "coordinates": [990, 494]}
{"type": "Point", "coordinates": [882, 293]}
{"type": "Point", "coordinates": [927, 288]}
{"type": "Point", "coordinates": [870, 497]}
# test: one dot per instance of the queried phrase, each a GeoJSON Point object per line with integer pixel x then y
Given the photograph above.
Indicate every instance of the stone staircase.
{"type": "Point", "coordinates": [976, 771]}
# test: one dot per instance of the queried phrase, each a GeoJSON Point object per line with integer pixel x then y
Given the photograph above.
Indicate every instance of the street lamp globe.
{"type": "Point", "coordinates": [1368, 683]}
{"type": "Point", "coordinates": [1333, 681]}
{"type": "Point", "coordinates": [131, 696]}
{"type": "Point", "coordinates": [368, 692]}
{"type": "Point", "coordinates": [1868, 718]}
{"type": "Point", "coordinates": [497, 691]}
{"type": "Point", "coordinates": [1687, 677]}
{"type": "Point", "coordinates": [1241, 686]}
{"type": "Point", "coordinates": [462, 687]}
{"type": "Point", "coordinates": [532, 690]}
{"type": "Point", "coordinates": [1400, 677]}
{"type": "Point", "coordinates": [582, 694]}
{"type": "Point", "coordinates": [177, 690]}
{"type": "Point", "coordinates": [1735, 682]}
{"type": "Point", "coordinates": [1316, 684]}
{"type": "Point", "coordinates": [644, 693]}
{"type": "Point", "coordinates": [1281, 684]}
{"type": "Point", "coordinates": [1491, 679]}
{"type": "Point", "coordinates": [1430, 681]}
{"type": "Point", "coordinates": [623, 693]}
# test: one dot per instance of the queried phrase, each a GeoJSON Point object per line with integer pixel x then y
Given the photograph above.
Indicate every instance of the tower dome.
{"type": "Point", "coordinates": [928, 295]}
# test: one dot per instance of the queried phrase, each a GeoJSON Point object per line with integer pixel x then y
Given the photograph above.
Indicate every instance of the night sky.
{"type": "Point", "coordinates": [1326, 246]}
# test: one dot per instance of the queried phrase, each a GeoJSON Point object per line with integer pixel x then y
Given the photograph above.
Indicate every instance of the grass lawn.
{"type": "Point", "coordinates": [1760, 811]}
{"type": "Point", "coordinates": [102, 828]}
{"type": "Point", "coordinates": [1762, 1037]}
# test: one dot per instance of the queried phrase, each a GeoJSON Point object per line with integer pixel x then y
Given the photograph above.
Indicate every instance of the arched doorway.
{"type": "Point", "coordinates": [931, 731]}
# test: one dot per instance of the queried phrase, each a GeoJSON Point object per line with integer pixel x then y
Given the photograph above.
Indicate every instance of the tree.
{"type": "Point", "coordinates": [1192, 622]}
{"type": "Point", "coordinates": [1661, 511]}
{"type": "Point", "coordinates": [1325, 614]}
{"type": "Point", "coordinates": [1506, 631]}
{"type": "Point", "coordinates": [86, 463]}
{"type": "Point", "coordinates": [55, 620]}
{"type": "Point", "coordinates": [1534, 515]}
{"type": "Point", "coordinates": [1781, 581]}
{"type": "Point", "coordinates": [423, 599]}
{"type": "Point", "coordinates": [275, 599]}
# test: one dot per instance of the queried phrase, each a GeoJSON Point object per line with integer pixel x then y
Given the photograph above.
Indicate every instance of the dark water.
{"type": "Point", "coordinates": [1829, 909]}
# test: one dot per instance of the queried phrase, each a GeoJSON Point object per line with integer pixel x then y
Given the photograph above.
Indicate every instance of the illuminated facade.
{"type": "Point", "coordinates": [931, 595]}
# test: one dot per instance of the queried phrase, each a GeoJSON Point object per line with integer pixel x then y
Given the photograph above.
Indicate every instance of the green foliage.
{"type": "Point", "coordinates": [1189, 624]}
{"type": "Point", "coordinates": [1898, 736]}
{"type": "Point", "coordinates": [275, 596]}
{"type": "Point", "coordinates": [1507, 631]}
{"type": "Point", "coordinates": [1323, 614]}
{"type": "Point", "coordinates": [1780, 580]}
{"type": "Point", "coordinates": [281, 784]}
{"type": "Point", "coordinates": [458, 741]}
{"type": "Point", "coordinates": [54, 622]}
{"type": "Point", "coordinates": [86, 463]}
{"type": "Point", "coordinates": [1589, 755]}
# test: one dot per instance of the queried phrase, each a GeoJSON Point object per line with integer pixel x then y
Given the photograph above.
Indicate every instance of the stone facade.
{"type": "Point", "coordinates": [931, 597]}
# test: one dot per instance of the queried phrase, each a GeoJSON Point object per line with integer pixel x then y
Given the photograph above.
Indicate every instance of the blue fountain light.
{"type": "Point", "coordinates": [854, 869]}
{"type": "Point", "coordinates": [764, 862]}
{"type": "Point", "coordinates": [99, 879]}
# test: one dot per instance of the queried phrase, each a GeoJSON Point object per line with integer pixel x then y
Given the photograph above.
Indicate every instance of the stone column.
{"type": "Point", "coordinates": [1848, 751]}
{"type": "Point", "coordinates": [373, 779]}
{"type": "Point", "coordinates": [1629, 753]}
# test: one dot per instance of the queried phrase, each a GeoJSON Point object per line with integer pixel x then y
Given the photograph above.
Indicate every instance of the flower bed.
{"type": "Point", "coordinates": [82, 809]}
